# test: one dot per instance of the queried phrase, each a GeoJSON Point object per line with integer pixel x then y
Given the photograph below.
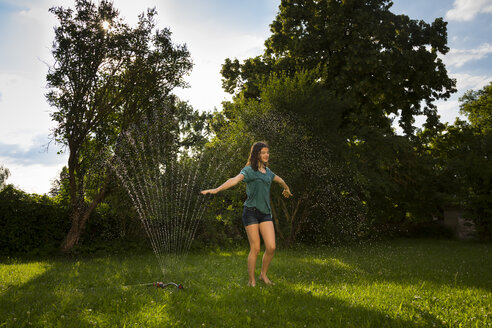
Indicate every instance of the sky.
{"type": "Point", "coordinates": [213, 30]}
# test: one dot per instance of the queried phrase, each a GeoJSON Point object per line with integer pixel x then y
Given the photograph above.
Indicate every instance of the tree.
{"type": "Point", "coordinates": [365, 67]}
{"type": "Point", "coordinates": [60, 188]}
{"type": "Point", "coordinates": [462, 153]}
{"type": "Point", "coordinates": [106, 74]}
{"type": "Point", "coordinates": [477, 166]}
{"type": "Point", "coordinates": [326, 206]}
{"type": "Point", "coordinates": [477, 106]}
{"type": "Point", "coordinates": [4, 175]}
{"type": "Point", "coordinates": [380, 63]}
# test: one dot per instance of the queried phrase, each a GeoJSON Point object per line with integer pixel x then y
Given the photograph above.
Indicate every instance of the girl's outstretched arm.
{"type": "Point", "coordinates": [226, 185]}
{"type": "Point", "coordinates": [281, 181]}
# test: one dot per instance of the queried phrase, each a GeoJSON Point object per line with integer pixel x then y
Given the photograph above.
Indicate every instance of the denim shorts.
{"type": "Point", "coordinates": [251, 215]}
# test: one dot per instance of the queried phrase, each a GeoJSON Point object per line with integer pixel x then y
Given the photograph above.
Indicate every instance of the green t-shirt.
{"type": "Point", "coordinates": [258, 188]}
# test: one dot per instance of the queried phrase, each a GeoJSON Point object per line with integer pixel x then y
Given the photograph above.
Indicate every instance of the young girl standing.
{"type": "Point", "coordinates": [257, 213]}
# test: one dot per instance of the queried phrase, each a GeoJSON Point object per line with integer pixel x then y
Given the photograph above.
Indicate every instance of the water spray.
{"type": "Point", "coordinates": [163, 183]}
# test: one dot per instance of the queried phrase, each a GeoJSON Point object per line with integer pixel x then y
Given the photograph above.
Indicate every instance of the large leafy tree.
{"type": "Point", "coordinates": [326, 206]}
{"type": "Point", "coordinates": [462, 153]}
{"type": "Point", "coordinates": [105, 75]}
{"type": "Point", "coordinates": [365, 67]}
{"type": "Point", "coordinates": [379, 63]}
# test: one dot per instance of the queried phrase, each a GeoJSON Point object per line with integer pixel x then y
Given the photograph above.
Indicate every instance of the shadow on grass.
{"type": "Point", "coordinates": [91, 292]}
{"type": "Point", "coordinates": [72, 293]}
{"type": "Point", "coordinates": [218, 296]}
{"type": "Point", "coordinates": [220, 301]}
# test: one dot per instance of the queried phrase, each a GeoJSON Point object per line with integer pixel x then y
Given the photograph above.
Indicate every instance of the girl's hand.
{"type": "Point", "coordinates": [208, 191]}
{"type": "Point", "coordinates": [286, 193]}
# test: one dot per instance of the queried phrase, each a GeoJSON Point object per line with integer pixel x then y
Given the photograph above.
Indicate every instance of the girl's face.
{"type": "Point", "coordinates": [264, 155]}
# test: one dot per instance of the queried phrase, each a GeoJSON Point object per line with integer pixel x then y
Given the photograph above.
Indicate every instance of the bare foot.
{"type": "Point", "coordinates": [266, 280]}
{"type": "Point", "coordinates": [252, 283]}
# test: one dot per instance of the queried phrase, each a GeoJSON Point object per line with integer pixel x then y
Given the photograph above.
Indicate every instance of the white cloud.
{"type": "Point", "coordinates": [34, 178]}
{"type": "Point", "coordinates": [466, 10]}
{"type": "Point", "coordinates": [459, 57]}
{"type": "Point", "coordinates": [24, 111]}
{"type": "Point", "coordinates": [40, 152]}
{"type": "Point", "coordinates": [466, 81]}
{"type": "Point", "coordinates": [449, 110]}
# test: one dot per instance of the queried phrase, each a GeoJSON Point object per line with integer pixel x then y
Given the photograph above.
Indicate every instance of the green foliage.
{"type": "Point", "coordinates": [398, 181]}
{"type": "Point", "coordinates": [30, 223]}
{"type": "Point", "coordinates": [102, 81]}
{"type": "Point", "coordinates": [35, 224]}
{"type": "Point", "coordinates": [338, 73]}
{"type": "Point", "coordinates": [326, 207]}
{"type": "Point", "coordinates": [304, 96]}
{"type": "Point", "coordinates": [112, 230]}
{"type": "Point", "coordinates": [378, 62]}
{"type": "Point", "coordinates": [462, 153]}
{"type": "Point", "coordinates": [192, 127]}
{"type": "Point", "coordinates": [60, 188]}
{"type": "Point", "coordinates": [4, 175]}
{"type": "Point", "coordinates": [477, 106]}
{"type": "Point", "coordinates": [346, 187]}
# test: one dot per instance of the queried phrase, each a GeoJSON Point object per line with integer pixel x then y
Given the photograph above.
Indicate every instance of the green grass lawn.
{"type": "Point", "coordinates": [402, 283]}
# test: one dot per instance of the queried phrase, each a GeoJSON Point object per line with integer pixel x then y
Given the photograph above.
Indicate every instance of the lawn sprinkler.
{"type": "Point", "coordinates": [159, 284]}
{"type": "Point", "coordinates": [164, 285]}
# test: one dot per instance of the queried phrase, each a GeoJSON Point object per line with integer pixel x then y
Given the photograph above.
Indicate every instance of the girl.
{"type": "Point", "coordinates": [257, 217]}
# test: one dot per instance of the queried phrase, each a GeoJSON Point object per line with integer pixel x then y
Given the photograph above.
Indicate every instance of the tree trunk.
{"type": "Point", "coordinates": [297, 229]}
{"type": "Point", "coordinates": [73, 235]}
{"type": "Point", "coordinates": [275, 218]}
{"type": "Point", "coordinates": [80, 215]}
{"type": "Point", "coordinates": [294, 219]}
{"type": "Point", "coordinates": [290, 218]}
{"type": "Point", "coordinates": [72, 238]}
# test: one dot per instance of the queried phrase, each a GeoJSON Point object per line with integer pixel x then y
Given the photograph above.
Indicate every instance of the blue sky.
{"type": "Point", "coordinates": [213, 30]}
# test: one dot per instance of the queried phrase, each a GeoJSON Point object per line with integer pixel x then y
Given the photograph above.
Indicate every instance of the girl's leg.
{"type": "Point", "coordinates": [268, 233]}
{"type": "Point", "coordinates": [254, 242]}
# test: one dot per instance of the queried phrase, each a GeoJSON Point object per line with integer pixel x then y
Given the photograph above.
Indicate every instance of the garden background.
{"type": "Point", "coordinates": [336, 93]}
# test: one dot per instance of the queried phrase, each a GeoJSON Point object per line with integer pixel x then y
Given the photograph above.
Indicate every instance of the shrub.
{"type": "Point", "coordinates": [30, 223]}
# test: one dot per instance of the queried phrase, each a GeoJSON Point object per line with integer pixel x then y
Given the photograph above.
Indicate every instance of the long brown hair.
{"type": "Point", "coordinates": [254, 155]}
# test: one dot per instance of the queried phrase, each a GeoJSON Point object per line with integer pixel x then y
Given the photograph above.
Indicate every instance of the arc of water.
{"type": "Point", "coordinates": [173, 206]}
{"type": "Point", "coordinates": [122, 173]}
{"type": "Point", "coordinates": [200, 205]}
{"type": "Point", "coordinates": [150, 221]}
{"type": "Point", "coordinates": [158, 179]}
{"type": "Point", "coordinates": [193, 170]}
{"type": "Point", "coordinates": [179, 201]}
{"type": "Point", "coordinates": [146, 188]}
{"type": "Point", "coordinates": [158, 221]}
{"type": "Point", "coordinates": [168, 189]}
{"type": "Point", "coordinates": [163, 185]}
{"type": "Point", "coordinates": [192, 217]}
{"type": "Point", "coordinates": [197, 164]}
